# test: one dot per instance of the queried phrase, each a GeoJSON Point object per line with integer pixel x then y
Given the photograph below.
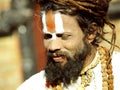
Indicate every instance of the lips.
{"type": "Point", "coordinates": [58, 58]}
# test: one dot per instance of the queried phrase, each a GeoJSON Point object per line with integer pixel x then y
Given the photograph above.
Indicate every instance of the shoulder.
{"type": "Point", "coordinates": [116, 58]}
{"type": "Point", "coordinates": [116, 71]}
{"type": "Point", "coordinates": [116, 54]}
{"type": "Point", "coordinates": [35, 82]}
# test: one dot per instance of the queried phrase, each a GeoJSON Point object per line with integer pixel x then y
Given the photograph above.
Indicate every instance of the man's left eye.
{"type": "Point", "coordinates": [63, 36]}
{"type": "Point", "coordinates": [66, 36]}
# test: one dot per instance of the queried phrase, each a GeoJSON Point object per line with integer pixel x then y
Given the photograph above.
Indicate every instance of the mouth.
{"type": "Point", "coordinates": [59, 58]}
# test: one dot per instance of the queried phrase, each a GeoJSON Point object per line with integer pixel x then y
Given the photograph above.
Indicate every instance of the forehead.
{"type": "Point", "coordinates": [55, 22]}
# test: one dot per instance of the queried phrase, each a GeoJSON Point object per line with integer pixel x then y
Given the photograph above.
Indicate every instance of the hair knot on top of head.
{"type": "Point", "coordinates": [95, 7]}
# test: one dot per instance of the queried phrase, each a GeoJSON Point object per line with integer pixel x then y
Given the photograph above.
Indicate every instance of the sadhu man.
{"type": "Point", "coordinates": [72, 32]}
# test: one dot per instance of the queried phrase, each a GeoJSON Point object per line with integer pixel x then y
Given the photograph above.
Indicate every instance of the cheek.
{"type": "Point", "coordinates": [46, 43]}
{"type": "Point", "coordinates": [73, 47]}
{"type": "Point", "coordinates": [74, 43]}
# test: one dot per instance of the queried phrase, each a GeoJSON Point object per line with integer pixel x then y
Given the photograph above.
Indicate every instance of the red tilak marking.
{"type": "Point", "coordinates": [50, 21]}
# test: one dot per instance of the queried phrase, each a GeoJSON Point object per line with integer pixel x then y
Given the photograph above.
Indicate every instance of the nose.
{"type": "Point", "coordinates": [55, 45]}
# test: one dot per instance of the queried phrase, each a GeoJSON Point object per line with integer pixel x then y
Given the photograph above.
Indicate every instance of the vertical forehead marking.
{"type": "Point", "coordinates": [58, 23]}
{"type": "Point", "coordinates": [44, 23]}
{"type": "Point", "coordinates": [50, 21]}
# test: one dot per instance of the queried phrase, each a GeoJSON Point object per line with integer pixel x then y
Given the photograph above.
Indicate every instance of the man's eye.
{"type": "Point", "coordinates": [65, 36]}
{"type": "Point", "coordinates": [47, 36]}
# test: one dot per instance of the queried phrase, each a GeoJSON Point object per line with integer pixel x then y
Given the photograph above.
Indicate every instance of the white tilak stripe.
{"type": "Point", "coordinates": [44, 23]}
{"type": "Point", "coordinates": [58, 23]}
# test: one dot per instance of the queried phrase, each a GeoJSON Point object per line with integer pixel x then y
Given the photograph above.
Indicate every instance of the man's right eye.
{"type": "Point", "coordinates": [47, 36]}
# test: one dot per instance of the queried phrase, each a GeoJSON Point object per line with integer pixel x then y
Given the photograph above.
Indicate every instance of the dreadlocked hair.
{"type": "Point", "coordinates": [87, 12]}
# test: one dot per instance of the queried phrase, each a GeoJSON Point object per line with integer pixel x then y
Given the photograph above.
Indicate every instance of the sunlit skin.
{"type": "Point", "coordinates": [67, 40]}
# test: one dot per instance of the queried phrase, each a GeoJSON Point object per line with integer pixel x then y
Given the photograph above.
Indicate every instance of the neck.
{"type": "Point", "coordinates": [90, 57]}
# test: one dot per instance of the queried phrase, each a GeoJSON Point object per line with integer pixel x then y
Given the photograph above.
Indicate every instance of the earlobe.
{"type": "Point", "coordinates": [91, 38]}
{"type": "Point", "coordinates": [92, 32]}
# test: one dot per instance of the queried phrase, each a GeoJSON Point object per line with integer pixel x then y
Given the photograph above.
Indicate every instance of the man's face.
{"type": "Point", "coordinates": [62, 36]}
{"type": "Point", "coordinates": [66, 47]}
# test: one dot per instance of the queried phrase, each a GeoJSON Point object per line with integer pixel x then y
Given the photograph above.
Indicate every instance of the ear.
{"type": "Point", "coordinates": [92, 32]}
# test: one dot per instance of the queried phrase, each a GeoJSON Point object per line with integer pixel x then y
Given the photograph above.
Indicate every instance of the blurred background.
{"type": "Point", "coordinates": [21, 47]}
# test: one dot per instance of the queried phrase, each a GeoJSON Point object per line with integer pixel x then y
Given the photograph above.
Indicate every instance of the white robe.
{"type": "Point", "coordinates": [38, 81]}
